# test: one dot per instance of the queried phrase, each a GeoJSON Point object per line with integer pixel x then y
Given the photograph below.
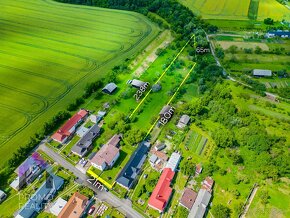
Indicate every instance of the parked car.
{"type": "Point", "coordinates": [91, 210]}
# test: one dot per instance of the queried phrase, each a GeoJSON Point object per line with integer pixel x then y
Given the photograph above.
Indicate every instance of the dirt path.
{"type": "Point", "coordinates": [251, 198]}
{"type": "Point", "coordinates": [166, 39]}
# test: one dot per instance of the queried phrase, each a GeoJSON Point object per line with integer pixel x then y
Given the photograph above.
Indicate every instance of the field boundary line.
{"type": "Point", "coordinates": [171, 99]}
{"type": "Point", "coordinates": [160, 77]}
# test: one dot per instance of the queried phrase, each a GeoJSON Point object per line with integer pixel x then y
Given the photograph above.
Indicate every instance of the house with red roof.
{"type": "Point", "coordinates": [162, 192]}
{"type": "Point", "coordinates": [69, 128]}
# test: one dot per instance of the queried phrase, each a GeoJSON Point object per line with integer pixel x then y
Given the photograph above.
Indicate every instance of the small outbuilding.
{"type": "Point", "coordinates": [262, 73]}
{"type": "Point", "coordinates": [136, 83]}
{"type": "Point", "coordinates": [183, 121]}
{"type": "Point", "coordinates": [2, 196]}
{"type": "Point", "coordinates": [109, 88]}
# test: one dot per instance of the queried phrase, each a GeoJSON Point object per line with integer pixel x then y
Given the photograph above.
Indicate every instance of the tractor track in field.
{"type": "Point", "coordinates": [72, 17]}
{"type": "Point", "coordinates": [80, 26]}
{"type": "Point", "coordinates": [60, 41]}
{"type": "Point", "coordinates": [64, 42]}
{"type": "Point", "coordinates": [38, 60]}
{"type": "Point", "coordinates": [94, 66]}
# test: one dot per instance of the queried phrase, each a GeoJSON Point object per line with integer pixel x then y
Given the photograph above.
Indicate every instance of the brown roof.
{"type": "Point", "coordinates": [115, 140]}
{"type": "Point", "coordinates": [106, 154]}
{"type": "Point", "coordinates": [161, 155]}
{"type": "Point", "coordinates": [198, 169]}
{"type": "Point", "coordinates": [188, 198]}
{"type": "Point", "coordinates": [74, 207]}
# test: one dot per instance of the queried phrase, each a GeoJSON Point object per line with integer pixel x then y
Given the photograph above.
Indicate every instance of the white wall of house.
{"type": "Point", "coordinates": [114, 160]}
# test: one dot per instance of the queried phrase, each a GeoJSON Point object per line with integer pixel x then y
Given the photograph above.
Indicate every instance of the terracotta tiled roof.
{"type": "Point", "coordinates": [74, 207]}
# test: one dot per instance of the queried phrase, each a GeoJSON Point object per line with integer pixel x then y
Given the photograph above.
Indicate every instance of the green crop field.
{"type": "Point", "coordinates": [50, 51]}
{"type": "Point", "coordinates": [237, 9]}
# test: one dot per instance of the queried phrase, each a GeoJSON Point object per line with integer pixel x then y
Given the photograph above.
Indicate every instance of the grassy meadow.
{"type": "Point", "coordinates": [237, 9]}
{"type": "Point", "coordinates": [50, 51]}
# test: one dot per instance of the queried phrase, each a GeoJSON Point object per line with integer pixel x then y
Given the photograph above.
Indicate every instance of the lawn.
{"type": "Point", "coordinates": [50, 51]}
{"type": "Point", "coordinates": [238, 10]}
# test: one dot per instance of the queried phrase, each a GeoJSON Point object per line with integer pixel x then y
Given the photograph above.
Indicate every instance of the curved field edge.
{"type": "Point", "coordinates": [34, 123]}
{"type": "Point", "coordinates": [237, 9]}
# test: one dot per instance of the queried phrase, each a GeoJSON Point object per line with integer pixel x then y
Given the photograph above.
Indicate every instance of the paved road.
{"type": "Point", "coordinates": [123, 205]}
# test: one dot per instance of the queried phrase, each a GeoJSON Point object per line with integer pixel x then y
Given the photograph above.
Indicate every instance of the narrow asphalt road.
{"type": "Point", "coordinates": [123, 205]}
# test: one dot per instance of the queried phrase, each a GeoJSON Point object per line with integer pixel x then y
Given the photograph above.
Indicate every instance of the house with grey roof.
{"type": "Point", "coordinates": [82, 147]}
{"type": "Point", "coordinates": [128, 175]}
{"type": "Point", "coordinates": [137, 83]}
{"type": "Point", "coordinates": [43, 195]}
{"type": "Point", "coordinates": [109, 88]}
{"type": "Point", "coordinates": [262, 73]}
{"type": "Point", "coordinates": [200, 205]}
{"type": "Point", "coordinates": [183, 121]}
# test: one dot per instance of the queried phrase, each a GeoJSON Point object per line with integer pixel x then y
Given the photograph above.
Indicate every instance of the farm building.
{"type": "Point", "coordinates": [132, 169]}
{"type": "Point", "coordinates": [37, 201]}
{"type": "Point", "coordinates": [278, 33]}
{"type": "Point", "coordinates": [162, 192]}
{"type": "Point", "coordinates": [160, 146]}
{"type": "Point", "coordinates": [208, 184]}
{"type": "Point", "coordinates": [28, 171]}
{"type": "Point", "coordinates": [173, 161]}
{"type": "Point", "coordinates": [183, 121]}
{"type": "Point", "coordinates": [199, 207]}
{"type": "Point", "coordinates": [57, 206]}
{"type": "Point", "coordinates": [188, 198]}
{"type": "Point", "coordinates": [109, 88]}
{"type": "Point", "coordinates": [262, 73]}
{"type": "Point", "coordinates": [75, 206]}
{"type": "Point", "coordinates": [106, 157]}
{"type": "Point", "coordinates": [136, 83]}
{"type": "Point", "coordinates": [82, 147]}
{"type": "Point", "coordinates": [165, 110]}
{"type": "Point", "coordinates": [96, 118]}
{"type": "Point", "coordinates": [2, 196]}
{"type": "Point", "coordinates": [69, 128]}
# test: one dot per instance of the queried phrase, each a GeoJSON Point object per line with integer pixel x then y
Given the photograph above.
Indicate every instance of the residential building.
{"type": "Point", "coordinates": [57, 206]}
{"type": "Point", "coordinates": [2, 196]}
{"type": "Point", "coordinates": [157, 159]}
{"type": "Point", "coordinates": [208, 184]}
{"type": "Point", "coordinates": [115, 140]}
{"type": "Point", "coordinates": [132, 169]}
{"type": "Point", "coordinates": [109, 88]}
{"type": "Point", "coordinates": [69, 128]}
{"type": "Point", "coordinates": [262, 73]}
{"type": "Point", "coordinates": [173, 161]}
{"type": "Point", "coordinates": [84, 145]}
{"type": "Point", "coordinates": [183, 121]}
{"type": "Point", "coordinates": [44, 194]}
{"type": "Point", "coordinates": [75, 207]}
{"type": "Point", "coordinates": [188, 198]}
{"type": "Point", "coordinates": [278, 33]}
{"type": "Point", "coordinates": [162, 192]}
{"type": "Point", "coordinates": [200, 205]}
{"type": "Point", "coordinates": [28, 171]}
{"type": "Point", "coordinates": [82, 131]}
{"type": "Point", "coordinates": [106, 157]}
